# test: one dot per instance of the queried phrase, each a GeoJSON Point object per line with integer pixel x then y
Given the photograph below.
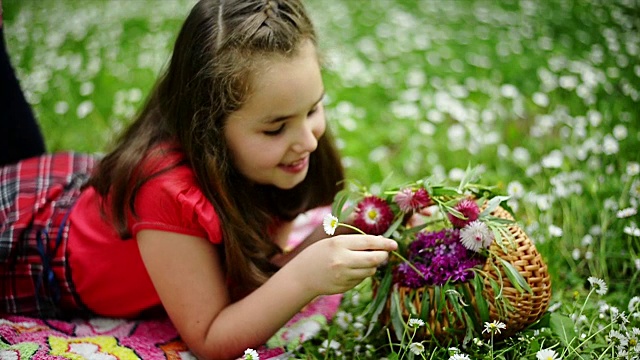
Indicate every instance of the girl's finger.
{"type": "Point", "coordinates": [370, 242]}
{"type": "Point", "coordinates": [368, 259]}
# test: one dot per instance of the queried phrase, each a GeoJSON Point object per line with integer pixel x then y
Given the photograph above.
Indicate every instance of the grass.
{"type": "Point", "coordinates": [544, 96]}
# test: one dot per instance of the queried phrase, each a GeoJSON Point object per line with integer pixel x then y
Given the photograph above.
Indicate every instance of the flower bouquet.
{"type": "Point", "coordinates": [464, 263]}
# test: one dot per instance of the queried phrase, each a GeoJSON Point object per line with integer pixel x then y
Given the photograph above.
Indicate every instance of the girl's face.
{"type": "Point", "coordinates": [272, 135]}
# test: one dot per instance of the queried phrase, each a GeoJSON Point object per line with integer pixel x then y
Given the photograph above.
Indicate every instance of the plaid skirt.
{"type": "Point", "coordinates": [36, 198]}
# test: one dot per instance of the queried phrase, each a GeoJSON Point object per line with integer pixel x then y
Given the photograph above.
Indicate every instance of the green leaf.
{"type": "Point", "coordinates": [483, 307]}
{"type": "Point", "coordinates": [471, 174]}
{"type": "Point", "coordinates": [444, 191]}
{"type": "Point", "coordinates": [397, 320]}
{"type": "Point", "coordinates": [408, 304]}
{"type": "Point", "coordinates": [515, 277]}
{"type": "Point", "coordinates": [468, 320]}
{"type": "Point", "coordinates": [424, 306]}
{"type": "Point", "coordinates": [493, 204]}
{"type": "Point", "coordinates": [379, 302]}
{"type": "Point", "coordinates": [393, 227]}
{"type": "Point", "coordinates": [563, 327]}
{"type": "Point", "coordinates": [339, 201]}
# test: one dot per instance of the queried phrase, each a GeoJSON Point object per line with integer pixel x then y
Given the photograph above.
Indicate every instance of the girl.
{"type": "Point", "coordinates": [189, 211]}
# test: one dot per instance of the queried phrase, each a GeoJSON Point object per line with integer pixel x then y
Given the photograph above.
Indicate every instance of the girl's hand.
{"type": "Point", "coordinates": [337, 264]}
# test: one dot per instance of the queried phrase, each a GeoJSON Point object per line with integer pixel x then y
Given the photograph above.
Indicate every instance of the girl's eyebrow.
{"type": "Point", "coordinates": [278, 119]}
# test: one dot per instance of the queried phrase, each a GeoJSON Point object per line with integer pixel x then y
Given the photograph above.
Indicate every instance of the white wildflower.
{"type": "Point", "coordinates": [634, 304]}
{"type": "Point", "coordinates": [460, 357]}
{"type": "Point", "coordinates": [598, 284]}
{"type": "Point", "coordinates": [632, 230]}
{"type": "Point", "coordinates": [61, 107]}
{"type": "Point", "coordinates": [553, 160]}
{"type": "Point", "coordinates": [330, 223]}
{"type": "Point", "coordinates": [555, 306]}
{"type": "Point", "coordinates": [620, 132]}
{"type": "Point", "coordinates": [546, 354]}
{"type": "Point", "coordinates": [250, 354]}
{"type": "Point", "coordinates": [555, 231]}
{"type": "Point", "coordinates": [627, 212]}
{"type": "Point", "coordinates": [416, 348]}
{"type": "Point", "coordinates": [476, 235]}
{"type": "Point", "coordinates": [84, 109]}
{"type": "Point", "coordinates": [415, 323]}
{"type": "Point", "coordinates": [494, 327]}
{"type": "Point", "coordinates": [540, 99]}
{"type": "Point", "coordinates": [330, 345]}
{"type": "Point", "coordinates": [515, 189]}
{"type": "Point", "coordinates": [575, 254]}
{"type": "Point", "coordinates": [521, 155]}
{"type": "Point", "coordinates": [633, 168]}
{"type": "Point", "coordinates": [610, 145]}
{"type": "Point", "coordinates": [343, 319]}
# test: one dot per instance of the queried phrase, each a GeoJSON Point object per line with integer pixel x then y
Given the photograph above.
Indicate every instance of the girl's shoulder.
{"type": "Point", "coordinates": [173, 197]}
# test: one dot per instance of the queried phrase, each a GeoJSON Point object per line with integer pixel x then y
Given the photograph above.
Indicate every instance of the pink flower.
{"type": "Point", "coordinates": [373, 215]}
{"type": "Point", "coordinates": [408, 200]}
{"type": "Point", "coordinates": [469, 209]}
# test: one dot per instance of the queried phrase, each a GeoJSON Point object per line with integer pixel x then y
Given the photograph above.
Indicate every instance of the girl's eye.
{"type": "Point", "coordinates": [274, 132]}
{"type": "Point", "coordinates": [313, 111]}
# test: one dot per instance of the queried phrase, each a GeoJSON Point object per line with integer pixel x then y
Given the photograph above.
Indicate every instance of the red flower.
{"type": "Point", "coordinates": [408, 200]}
{"type": "Point", "coordinates": [469, 210]}
{"type": "Point", "coordinates": [373, 215]}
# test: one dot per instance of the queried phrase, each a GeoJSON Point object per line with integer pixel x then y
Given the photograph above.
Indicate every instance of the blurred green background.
{"type": "Point", "coordinates": [543, 95]}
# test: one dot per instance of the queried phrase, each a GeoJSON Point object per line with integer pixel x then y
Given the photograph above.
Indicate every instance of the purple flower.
{"type": "Point", "coordinates": [404, 275]}
{"type": "Point", "coordinates": [373, 215]}
{"type": "Point", "coordinates": [441, 257]}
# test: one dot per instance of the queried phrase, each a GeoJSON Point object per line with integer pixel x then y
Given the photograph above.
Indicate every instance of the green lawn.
{"type": "Point", "coordinates": [544, 96]}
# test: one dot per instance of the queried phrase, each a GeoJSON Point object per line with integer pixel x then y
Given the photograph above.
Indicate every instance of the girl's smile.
{"type": "Point", "coordinates": [296, 166]}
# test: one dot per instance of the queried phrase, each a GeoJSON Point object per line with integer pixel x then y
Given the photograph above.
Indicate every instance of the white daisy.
{"type": "Point", "coordinates": [634, 304]}
{"type": "Point", "coordinates": [546, 354]}
{"type": "Point", "coordinates": [494, 327]}
{"type": "Point", "coordinates": [330, 223]}
{"type": "Point", "coordinates": [250, 354]}
{"type": "Point", "coordinates": [598, 284]}
{"type": "Point", "coordinates": [416, 348]}
{"type": "Point", "coordinates": [415, 323]}
{"type": "Point", "coordinates": [476, 235]}
{"type": "Point", "coordinates": [625, 213]}
{"type": "Point", "coordinates": [460, 357]}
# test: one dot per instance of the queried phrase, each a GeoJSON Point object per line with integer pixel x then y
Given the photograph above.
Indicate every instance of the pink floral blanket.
{"type": "Point", "coordinates": [111, 339]}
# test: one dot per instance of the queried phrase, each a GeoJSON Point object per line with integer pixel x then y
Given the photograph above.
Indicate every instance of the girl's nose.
{"type": "Point", "coordinates": [306, 140]}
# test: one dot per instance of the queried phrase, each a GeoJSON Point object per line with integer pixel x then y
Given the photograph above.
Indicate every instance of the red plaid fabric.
{"type": "Point", "coordinates": [36, 196]}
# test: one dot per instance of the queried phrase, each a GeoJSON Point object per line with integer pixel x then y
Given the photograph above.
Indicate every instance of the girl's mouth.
{"type": "Point", "coordinates": [296, 166]}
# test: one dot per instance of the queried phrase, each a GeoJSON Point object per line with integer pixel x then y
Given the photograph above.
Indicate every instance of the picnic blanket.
{"type": "Point", "coordinates": [110, 339]}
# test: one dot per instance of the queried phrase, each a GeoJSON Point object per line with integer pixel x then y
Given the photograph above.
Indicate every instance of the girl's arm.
{"type": "Point", "coordinates": [189, 277]}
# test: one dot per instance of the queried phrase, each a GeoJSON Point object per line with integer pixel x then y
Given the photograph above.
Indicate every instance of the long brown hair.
{"type": "Point", "coordinates": [220, 46]}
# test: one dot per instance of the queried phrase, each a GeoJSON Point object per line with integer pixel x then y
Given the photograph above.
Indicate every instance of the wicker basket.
{"type": "Point", "coordinates": [524, 307]}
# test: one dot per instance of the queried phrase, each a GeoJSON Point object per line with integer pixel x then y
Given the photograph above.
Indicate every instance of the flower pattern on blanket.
{"type": "Point", "coordinates": [90, 348]}
{"type": "Point", "coordinates": [118, 339]}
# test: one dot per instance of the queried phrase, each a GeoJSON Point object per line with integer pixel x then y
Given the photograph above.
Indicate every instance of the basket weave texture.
{"type": "Point", "coordinates": [524, 308]}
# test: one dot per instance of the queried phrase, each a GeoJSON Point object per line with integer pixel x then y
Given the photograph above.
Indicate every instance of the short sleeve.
{"type": "Point", "coordinates": [172, 201]}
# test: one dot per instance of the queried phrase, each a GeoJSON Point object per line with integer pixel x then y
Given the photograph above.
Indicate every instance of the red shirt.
{"type": "Point", "coordinates": [108, 272]}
